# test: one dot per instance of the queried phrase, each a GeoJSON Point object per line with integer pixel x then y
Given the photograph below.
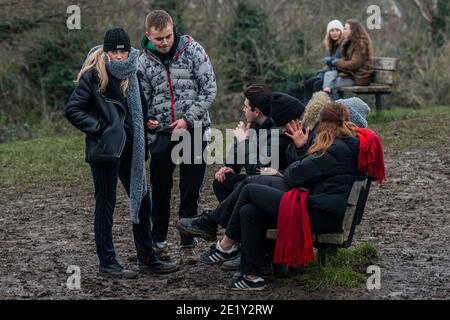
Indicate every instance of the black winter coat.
{"type": "Point", "coordinates": [329, 178]}
{"type": "Point", "coordinates": [101, 116]}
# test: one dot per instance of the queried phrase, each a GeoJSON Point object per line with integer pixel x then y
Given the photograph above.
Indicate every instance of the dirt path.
{"type": "Point", "coordinates": [42, 232]}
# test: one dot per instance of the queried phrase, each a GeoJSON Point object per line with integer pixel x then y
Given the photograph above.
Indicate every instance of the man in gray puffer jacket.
{"type": "Point", "coordinates": [179, 84]}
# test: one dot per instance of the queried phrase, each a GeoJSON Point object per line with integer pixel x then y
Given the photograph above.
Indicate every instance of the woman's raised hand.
{"type": "Point", "coordinates": [152, 124]}
{"type": "Point", "coordinates": [298, 135]}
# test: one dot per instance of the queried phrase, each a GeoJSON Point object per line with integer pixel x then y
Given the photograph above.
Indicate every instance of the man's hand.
{"type": "Point", "coordinates": [297, 134]}
{"type": "Point", "coordinates": [221, 174]}
{"type": "Point", "coordinates": [269, 172]}
{"type": "Point", "coordinates": [152, 124]}
{"type": "Point", "coordinates": [179, 125]}
{"type": "Point", "coordinates": [241, 131]}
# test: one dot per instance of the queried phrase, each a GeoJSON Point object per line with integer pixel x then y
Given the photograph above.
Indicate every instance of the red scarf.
{"type": "Point", "coordinates": [370, 156]}
{"type": "Point", "coordinates": [294, 245]}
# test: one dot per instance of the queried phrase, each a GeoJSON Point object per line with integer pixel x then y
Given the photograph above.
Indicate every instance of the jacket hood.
{"type": "Point", "coordinates": [313, 108]}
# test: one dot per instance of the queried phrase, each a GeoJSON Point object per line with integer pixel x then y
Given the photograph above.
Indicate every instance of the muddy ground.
{"type": "Point", "coordinates": [43, 230]}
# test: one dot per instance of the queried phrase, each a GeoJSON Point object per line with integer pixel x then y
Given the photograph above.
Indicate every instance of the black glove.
{"type": "Point", "coordinates": [330, 62]}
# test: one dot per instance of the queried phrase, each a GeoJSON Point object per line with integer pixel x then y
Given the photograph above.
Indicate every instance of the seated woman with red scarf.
{"type": "Point", "coordinates": [322, 179]}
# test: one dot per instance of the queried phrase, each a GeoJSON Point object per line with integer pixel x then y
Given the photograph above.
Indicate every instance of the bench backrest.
{"type": "Point", "coordinates": [360, 205]}
{"type": "Point", "coordinates": [384, 69]}
{"type": "Point", "coordinates": [356, 204]}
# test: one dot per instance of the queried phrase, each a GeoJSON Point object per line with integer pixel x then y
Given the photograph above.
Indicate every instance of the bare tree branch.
{"type": "Point", "coordinates": [427, 15]}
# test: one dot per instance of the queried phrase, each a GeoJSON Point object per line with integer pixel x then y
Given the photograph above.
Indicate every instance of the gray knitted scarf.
{"type": "Point", "coordinates": [138, 184]}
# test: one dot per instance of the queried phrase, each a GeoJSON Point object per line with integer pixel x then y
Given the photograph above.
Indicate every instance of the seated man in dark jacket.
{"type": "Point", "coordinates": [251, 151]}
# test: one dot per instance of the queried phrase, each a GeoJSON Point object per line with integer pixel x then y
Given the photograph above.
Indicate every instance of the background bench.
{"type": "Point", "coordinates": [356, 203]}
{"type": "Point", "coordinates": [383, 79]}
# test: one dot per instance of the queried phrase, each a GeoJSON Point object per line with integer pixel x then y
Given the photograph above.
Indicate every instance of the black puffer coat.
{"type": "Point", "coordinates": [101, 116]}
{"type": "Point", "coordinates": [329, 178]}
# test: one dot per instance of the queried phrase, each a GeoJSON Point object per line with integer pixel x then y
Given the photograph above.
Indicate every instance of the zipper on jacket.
{"type": "Point", "coordinates": [172, 96]}
{"type": "Point", "coordinates": [124, 139]}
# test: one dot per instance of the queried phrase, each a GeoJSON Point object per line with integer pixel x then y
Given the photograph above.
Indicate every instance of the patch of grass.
{"type": "Point", "coordinates": [406, 113]}
{"type": "Point", "coordinates": [345, 268]}
{"type": "Point", "coordinates": [43, 162]}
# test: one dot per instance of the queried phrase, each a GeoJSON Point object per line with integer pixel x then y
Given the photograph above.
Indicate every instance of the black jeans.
{"type": "Point", "coordinates": [223, 189]}
{"type": "Point", "coordinates": [223, 214]}
{"type": "Point", "coordinates": [256, 211]}
{"type": "Point", "coordinates": [105, 176]}
{"type": "Point", "coordinates": [161, 177]}
{"type": "Point", "coordinates": [311, 86]}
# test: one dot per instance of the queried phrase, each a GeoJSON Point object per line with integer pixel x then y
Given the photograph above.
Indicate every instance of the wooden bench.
{"type": "Point", "coordinates": [383, 79]}
{"type": "Point", "coordinates": [353, 215]}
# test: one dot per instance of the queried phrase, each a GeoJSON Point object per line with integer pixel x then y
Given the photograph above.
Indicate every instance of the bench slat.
{"type": "Point", "coordinates": [271, 234]}
{"type": "Point", "coordinates": [385, 63]}
{"type": "Point", "coordinates": [383, 77]}
{"type": "Point", "coordinates": [373, 88]}
{"type": "Point", "coordinates": [354, 193]}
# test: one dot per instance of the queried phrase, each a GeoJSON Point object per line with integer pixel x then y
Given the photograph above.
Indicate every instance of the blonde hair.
{"type": "Point", "coordinates": [334, 124]}
{"type": "Point", "coordinates": [328, 42]}
{"type": "Point", "coordinates": [97, 60]}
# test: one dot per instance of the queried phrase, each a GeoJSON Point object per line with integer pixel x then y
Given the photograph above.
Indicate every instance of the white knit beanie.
{"type": "Point", "coordinates": [335, 24]}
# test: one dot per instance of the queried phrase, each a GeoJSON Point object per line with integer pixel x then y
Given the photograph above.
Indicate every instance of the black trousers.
{"type": "Point", "coordinates": [105, 176]}
{"type": "Point", "coordinates": [223, 189]}
{"type": "Point", "coordinates": [161, 178]}
{"type": "Point", "coordinates": [256, 211]}
{"type": "Point", "coordinates": [223, 214]}
{"type": "Point", "coordinates": [311, 86]}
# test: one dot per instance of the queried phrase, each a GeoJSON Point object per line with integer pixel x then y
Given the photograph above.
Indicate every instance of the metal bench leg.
{"type": "Point", "coordinates": [378, 102]}
{"type": "Point", "coordinates": [322, 256]}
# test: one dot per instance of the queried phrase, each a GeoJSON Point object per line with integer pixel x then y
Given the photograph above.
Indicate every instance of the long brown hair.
{"type": "Point", "coordinates": [359, 35]}
{"type": "Point", "coordinates": [334, 124]}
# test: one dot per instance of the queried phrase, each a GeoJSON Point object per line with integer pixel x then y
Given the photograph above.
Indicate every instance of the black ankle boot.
{"type": "Point", "coordinates": [115, 270]}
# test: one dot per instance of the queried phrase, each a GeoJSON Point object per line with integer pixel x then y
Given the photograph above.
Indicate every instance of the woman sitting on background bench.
{"type": "Point", "coordinates": [332, 42]}
{"type": "Point", "coordinates": [329, 170]}
{"type": "Point", "coordinates": [355, 65]}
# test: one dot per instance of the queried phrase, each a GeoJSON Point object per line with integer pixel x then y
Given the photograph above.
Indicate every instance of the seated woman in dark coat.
{"type": "Point", "coordinates": [328, 171]}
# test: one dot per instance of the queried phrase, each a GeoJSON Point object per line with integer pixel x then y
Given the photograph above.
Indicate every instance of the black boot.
{"type": "Point", "coordinates": [156, 266]}
{"type": "Point", "coordinates": [115, 270]}
{"type": "Point", "coordinates": [203, 227]}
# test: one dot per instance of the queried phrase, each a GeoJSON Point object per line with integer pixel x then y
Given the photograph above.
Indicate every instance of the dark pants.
{"type": "Point", "coordinates": [256, 211]}
{"type": "Point", "coordinates": [311, 86]}
{"type": "Point", "coordinates": [223, 189]}
{"type": "Point", "coordinates": [161, 177]}
{"type": "Point", "coordinates": [105, 176]}
{"type": "Point", "coordinates": [223, 214]}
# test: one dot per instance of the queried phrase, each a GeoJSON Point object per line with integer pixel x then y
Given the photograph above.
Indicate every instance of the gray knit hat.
{"type": "Point", "coordinates": [357, 109]}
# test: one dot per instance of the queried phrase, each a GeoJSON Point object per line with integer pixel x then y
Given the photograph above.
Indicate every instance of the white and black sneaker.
{"type": "Point", "coordinates": [216, 255]}
{"type": "Point", "coordinates": [242, 283]}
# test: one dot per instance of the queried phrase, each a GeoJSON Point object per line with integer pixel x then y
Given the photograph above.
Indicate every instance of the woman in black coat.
{"type": "Point", "coordinates": [107, 105]}
{"type": "Point", "coordinates": [328, 171]}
